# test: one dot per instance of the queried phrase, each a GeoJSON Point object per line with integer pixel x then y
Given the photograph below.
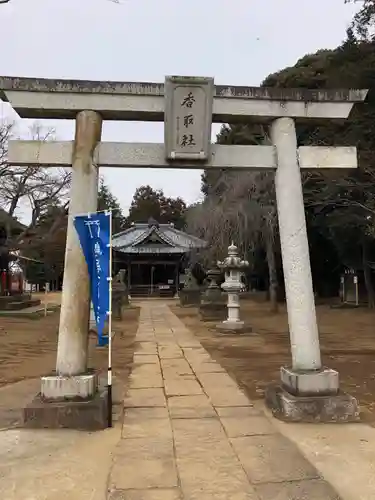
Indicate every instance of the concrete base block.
{"type": "Point", "coordinates": [55, 387]}
{"type": "Point", "coordinates": [89, 415]}
{"type": "Point", "coordinates": [340, 407]}
{"type": "Point", "coordinates": [322, 382]}
{"type": "Point", "coordinates": [233, 327]}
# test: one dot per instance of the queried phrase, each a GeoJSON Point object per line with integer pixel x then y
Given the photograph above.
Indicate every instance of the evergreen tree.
{"type": "Point", "coordinates": [107, 201]}
{"type": "Point", "coordinates": [150, 203]}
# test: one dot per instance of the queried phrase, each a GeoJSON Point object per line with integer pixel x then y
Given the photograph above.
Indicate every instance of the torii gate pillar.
{"type": "Point", "coordinates": [72, 344]}
{"type": "Point", "coordinates": [308, 391]}
{"type": "Point", "coordinates": [303, 327]}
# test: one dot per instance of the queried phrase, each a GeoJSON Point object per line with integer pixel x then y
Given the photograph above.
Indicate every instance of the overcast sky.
{"type": "Point", "coordinates": [238, 42]}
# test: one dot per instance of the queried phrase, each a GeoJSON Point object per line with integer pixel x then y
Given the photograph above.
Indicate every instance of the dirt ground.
{"type": "Point", "coordinates": [28, 347]}
{"type": "Point", "coordinates": [28, 350]}
{"type": "Point", "coordinates": [347, 342]}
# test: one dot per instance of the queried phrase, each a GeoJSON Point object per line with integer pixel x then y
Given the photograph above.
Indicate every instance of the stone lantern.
{"type": "Point", "coordinates": [233, 267]}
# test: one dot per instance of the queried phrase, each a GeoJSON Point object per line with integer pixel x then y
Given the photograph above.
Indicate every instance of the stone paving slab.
{"type": "Point", "coordinates": [208, 367]}
{"type": "Point", "coordinates": [176, 374]}
{"type": "Point", "coordinates": [272, 458]}
{"type": "Point", "coordinates": [55, 464]}
{"type": "Point", "coordinates": [170, 352]}
{"type": "Point", "coordinates": [144, 463]}
{"type": "Point", "coordinates": [141, 382]}
{"type": "Point", "coordinates": [238, 411]}
{"type": "Point", "coordinates": [145, 337]}
{"type": "Point", "coordinates": [196, 355]}
{"type": "Point", "coordinates": [142, 359]}
{"type": "Point", "coordinates": [191, 407]}
{"type": "Point", "coordinates": [226, 397]}
{"type": "Point", "coordinates": [151, 494]}
{"type": "Point", "coordinates": [205, 479]}
{"type": "Point", "coordinates": [206, 462]}
{"type": "Point", "coordinates": [313, 489]}
{"type": "Point", "coordinates": [147, 370]}
{"type": "Point", "coordinates": [180, 366]}
{"type": "Point", "coordinates": [143, 398]}
{"type": "Point", "coordinates": [214, 378]}
{"type": "Point", "coordinates": [217, 380]}
{"type": "Point", "coordinates": [182, 387]}
{"type": "Point", "coordinates": [172, 375]}
{"type": "Point", "coordinates": [147, 428]}
{"type": "Point", "coordinates": [190, 433]}
{"type": "Point", "coordinates": [192, 412]}
{"type": "Point", "coordinates": [145, 413]}
{"type": "Point", "coordinates": [145, 348]}
{"type": "Point", "coordinates": [188, 343]}
{"type": "Point", "coordinates": [247, 426]}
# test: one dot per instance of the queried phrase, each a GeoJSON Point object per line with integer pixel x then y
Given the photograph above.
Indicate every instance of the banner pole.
{"type": "Point", "coordinates": [109, 380]}
{"type": "Point", "coordinates": [45, 299]}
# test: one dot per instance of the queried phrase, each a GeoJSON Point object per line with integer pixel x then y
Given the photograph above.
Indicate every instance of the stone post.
{"type": "Point", "coordinates": [75, 306]}
{"type": "Point", "coordinates": [308, 391]}
{"type": "Point", "coordinates": [213, 291]}
{"type": "Point", "coordinates": [295, 249]}
{"type": "Point", "coordinates": [71, 398]}
{"type": "Point", "coordinates": [213, 303]}
{"type": "Point", "coordinates": [190, 295]}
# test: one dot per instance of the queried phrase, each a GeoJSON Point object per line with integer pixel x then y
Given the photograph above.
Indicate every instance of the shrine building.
{"type": "Point", "coordinates": [153, 255]}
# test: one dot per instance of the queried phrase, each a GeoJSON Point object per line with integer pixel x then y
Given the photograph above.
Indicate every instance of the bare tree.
{"type": "Point", "coordinates": [240, 207]}
{"type": "Point", "coordinates": [5, 134]}
{"type": "Point", "coordinates": [253, 195]}
{"type": "Point", "coordinates": [30, 187]}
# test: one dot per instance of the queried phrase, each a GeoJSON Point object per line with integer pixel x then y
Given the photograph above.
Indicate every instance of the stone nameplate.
{"type": "Point", "coordinates": [188, 118]}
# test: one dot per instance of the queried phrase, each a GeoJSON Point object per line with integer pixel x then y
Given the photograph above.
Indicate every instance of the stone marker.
{"type": "Point", "coordinates": [213, 305]}
{"type": "Point", "coordinates": [120, 294]}
{"type": "Point", "coordinates": [190, 295]}
{"type": "Point", "coordinates": [233, 267]}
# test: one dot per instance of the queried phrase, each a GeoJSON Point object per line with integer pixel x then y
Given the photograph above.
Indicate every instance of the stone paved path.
{"type": "Point", "coordinates": [190, 433]}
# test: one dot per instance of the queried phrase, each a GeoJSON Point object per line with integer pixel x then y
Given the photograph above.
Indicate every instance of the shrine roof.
{"type": "Point", "coordinates": [152, 237]}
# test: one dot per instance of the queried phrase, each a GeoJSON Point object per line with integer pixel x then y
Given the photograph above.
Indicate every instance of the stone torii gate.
{"type": "Point", "coordinates": [188, 106]}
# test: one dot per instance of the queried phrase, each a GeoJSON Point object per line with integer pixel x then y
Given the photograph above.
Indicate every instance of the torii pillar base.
{"type": "Point", "coordinates": [68, 402]}
{"type": "Point", "coordinates": [311, 397]}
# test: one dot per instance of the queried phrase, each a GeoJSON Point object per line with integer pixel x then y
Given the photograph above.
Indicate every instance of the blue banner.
{"type": "Point", "coordinates": [94, 235]}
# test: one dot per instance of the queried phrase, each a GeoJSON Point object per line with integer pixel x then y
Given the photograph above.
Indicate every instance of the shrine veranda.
{"type": "Point", "coordinates": [188, 106]}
